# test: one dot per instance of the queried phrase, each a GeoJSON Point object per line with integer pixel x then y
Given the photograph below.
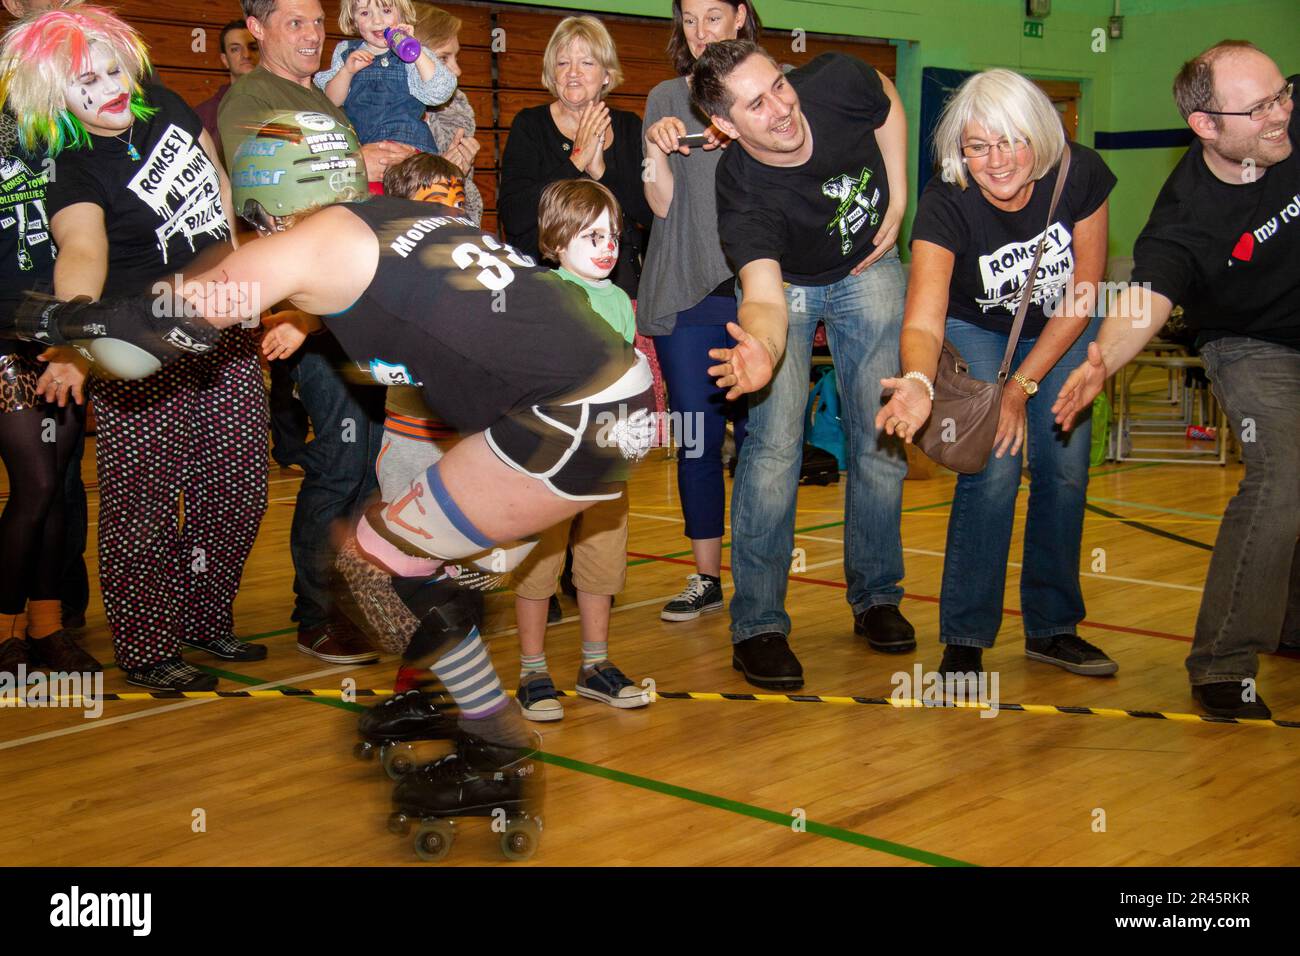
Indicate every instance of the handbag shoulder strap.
{"type": "Point", "coordinates": [1028, 289]}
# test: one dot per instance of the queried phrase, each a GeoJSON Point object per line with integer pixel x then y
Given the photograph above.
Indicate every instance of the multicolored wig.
{"type": "Point", "coordinates": [40, 56]}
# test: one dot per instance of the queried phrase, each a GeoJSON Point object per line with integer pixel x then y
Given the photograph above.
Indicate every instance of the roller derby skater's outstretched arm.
{"type": "Point", "coordinates": [320, 265]}
{"type": "Point", "coordinates": [760, 333]}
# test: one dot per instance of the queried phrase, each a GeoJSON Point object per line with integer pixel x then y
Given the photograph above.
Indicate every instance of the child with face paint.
{"type": "Point", "coordinates": [579, 223]}
{"type": "Point", "coordinates": [137, 196]}
{"type": "Point", "coordinates": [384, 97]}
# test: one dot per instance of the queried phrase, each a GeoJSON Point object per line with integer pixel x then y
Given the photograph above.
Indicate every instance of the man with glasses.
{"type": "Point", "coordinates": [1223, 241]}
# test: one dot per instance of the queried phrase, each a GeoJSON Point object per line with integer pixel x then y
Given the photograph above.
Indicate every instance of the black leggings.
{"type": "Point", "coordinates": [36, 445]}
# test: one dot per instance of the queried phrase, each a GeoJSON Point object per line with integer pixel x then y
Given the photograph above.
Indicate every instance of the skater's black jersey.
{"type": "Point", "coordinates": [481, 327]}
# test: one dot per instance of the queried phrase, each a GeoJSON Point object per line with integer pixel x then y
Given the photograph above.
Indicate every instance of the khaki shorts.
{"type": "Point", "coordinates": [599, 537]}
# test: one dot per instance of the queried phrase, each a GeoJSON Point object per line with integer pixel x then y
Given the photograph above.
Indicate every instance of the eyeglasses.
{"type": "Point", "coordinates": [1262, 110]}
{"type": "Point", "coordinates": [1003, 146]}
{"type": "Point", "coordinates": [599, 239]}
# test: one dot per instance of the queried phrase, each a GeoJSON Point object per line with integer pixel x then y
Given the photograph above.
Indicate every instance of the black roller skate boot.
{"type": "Point", "coordinates": [480, 779]}
{"type": "Point", "coordinates": [392, 728]}
{"type": "Point", "coordinates": [417, 712]}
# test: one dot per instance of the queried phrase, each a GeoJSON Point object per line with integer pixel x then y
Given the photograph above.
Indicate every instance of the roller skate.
{"type": "Point", "coordinates": [393, 727]}
{"type": "Point", "coordinates": [479, 779]}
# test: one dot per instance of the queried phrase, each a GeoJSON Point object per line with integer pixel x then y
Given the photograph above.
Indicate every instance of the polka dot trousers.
{"type": "Point", "coordinates": [182, 462]}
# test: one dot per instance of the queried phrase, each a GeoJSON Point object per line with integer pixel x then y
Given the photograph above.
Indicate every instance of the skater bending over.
{"type": "Point", "coordinates": [553, 403]}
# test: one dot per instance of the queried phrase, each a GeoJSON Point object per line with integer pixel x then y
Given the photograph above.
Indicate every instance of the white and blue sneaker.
{"type": "Point", "coordinates": [538, 698]}
{"type": "Point", "coordinates": [604, 682]}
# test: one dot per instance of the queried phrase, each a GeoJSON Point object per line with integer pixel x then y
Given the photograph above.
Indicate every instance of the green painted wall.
{"type": "Point", "coordinates": [1126, 87]}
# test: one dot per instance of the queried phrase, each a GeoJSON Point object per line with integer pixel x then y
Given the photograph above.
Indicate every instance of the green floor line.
{"type": "Point", "coordinates": [1160, 508]}
{"type": "Point", "coordinates": [683, 793]}
{"type": "Point", "coordinates": [757, 813]}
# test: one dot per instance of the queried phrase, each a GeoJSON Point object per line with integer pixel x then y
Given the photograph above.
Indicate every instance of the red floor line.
{"type": "Point", "coordinates": [1118, 628]}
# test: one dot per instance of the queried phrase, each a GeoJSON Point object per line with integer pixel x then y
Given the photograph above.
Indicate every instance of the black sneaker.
{"type": "Point", "coordinates": [885, 629]}
{"type": "Point", "coordinates": [702, 593]}
{"type": "Point", "coordinates": [767, 661]}
{"type": "Point", "coordinates": [1224, 699]}
{"type": "Point", "coordinates": [174, 675]}
{"type": "Point", "coordinates": [1072, 653]}
{"type": "Point", "coordinates": [230, 648]}
{"type": "Point", "coordinates": [959, 659]}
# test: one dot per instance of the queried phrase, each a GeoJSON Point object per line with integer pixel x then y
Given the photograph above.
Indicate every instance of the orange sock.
{"type": "Point", "coordinates": [44, 618]}
{"type": "Point", "coordinates": [13, 625]}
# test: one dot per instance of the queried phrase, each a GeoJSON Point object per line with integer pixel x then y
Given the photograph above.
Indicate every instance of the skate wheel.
{"type": "Point", "coordinates": [399, 823]}
{"type": "Point", "coordinates": [398, 760]}
{"type": "Point", "coordinates": [433, 840]}
{"type": "Point", "coordinates": [364, 750]}
{"type": "Point", "coordinates": [520, 840]}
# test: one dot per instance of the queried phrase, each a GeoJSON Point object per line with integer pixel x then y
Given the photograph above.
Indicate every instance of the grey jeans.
{"type": "Point", "coordinates": [1252, 591]}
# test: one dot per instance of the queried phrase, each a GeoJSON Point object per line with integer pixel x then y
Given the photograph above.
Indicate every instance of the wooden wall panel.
{"type": "Point", "coordinates": [497, 83]}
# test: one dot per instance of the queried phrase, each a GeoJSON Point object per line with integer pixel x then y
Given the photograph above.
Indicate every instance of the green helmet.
{"type": "Point", "coordinates": [296, 161]}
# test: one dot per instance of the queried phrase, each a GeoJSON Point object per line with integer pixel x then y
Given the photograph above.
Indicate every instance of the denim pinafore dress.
{"type": "Point", "coordinates": [380, 104]}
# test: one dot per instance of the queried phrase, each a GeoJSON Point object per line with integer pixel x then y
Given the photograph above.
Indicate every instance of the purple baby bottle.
{"type": "Point", "coordinates": [403, 44]}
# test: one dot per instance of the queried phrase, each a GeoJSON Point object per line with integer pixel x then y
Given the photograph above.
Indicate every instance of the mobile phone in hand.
{"type": "Point", "coordinates": [694, 140]}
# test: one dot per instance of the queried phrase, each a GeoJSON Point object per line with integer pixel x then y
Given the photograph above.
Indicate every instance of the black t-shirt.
{"type": "Point", "coordinates": [993, 249]}
{"type": "Point", "coordinates": [26, 249]}
{"type": "Point", "coordinates": [1228, 254]}
{"type": "Point", "coordinates": [484, 329]}
{"type": "Point", "coordinates": [161, 210]}
{"type": "Point", "coordinates": [537, 154]}
{"type": "Point", "coordinates": [819, 219]}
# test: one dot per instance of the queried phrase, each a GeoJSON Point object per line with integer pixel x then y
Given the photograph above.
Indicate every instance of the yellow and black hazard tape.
{"type": "Point", "coordinates": [335, 693]}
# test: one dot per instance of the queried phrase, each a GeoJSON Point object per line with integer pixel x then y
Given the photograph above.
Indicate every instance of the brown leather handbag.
{"type": "Point", "coordinates": [964, 414]}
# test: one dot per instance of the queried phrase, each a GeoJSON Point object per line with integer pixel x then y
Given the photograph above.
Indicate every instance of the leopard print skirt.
{"type": "Point", "coordinates": [18, 375]}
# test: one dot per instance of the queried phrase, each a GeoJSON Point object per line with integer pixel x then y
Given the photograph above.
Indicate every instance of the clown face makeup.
{"type": "Point", "coordinates": [446, 193]}
{"type": "Point", "coordinates": [593, 252]}
{"type": "Point", "coordinates": [100, 96]}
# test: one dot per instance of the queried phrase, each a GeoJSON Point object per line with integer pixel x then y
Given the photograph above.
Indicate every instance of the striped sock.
{"type": "Point", "coordinates": [467, 673]}
{"type": "Point", "coordinates": [593, 652]}
{"type": "Point", "coordinates": [531, 664]}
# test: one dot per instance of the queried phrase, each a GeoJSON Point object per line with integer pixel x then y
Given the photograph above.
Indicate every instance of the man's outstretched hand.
{"type": "Point", "coordinates": [1083, 385]}
{"type": "Point", "coordinates": [745, 368]}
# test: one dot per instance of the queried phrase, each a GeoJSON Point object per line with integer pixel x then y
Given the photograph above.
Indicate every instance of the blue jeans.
{"type": "Point", "coordinates": [1252, 592]}
{"type": "Point", "coordinates": [984, 508]}
{"type": "Point", "coordinates": [348, 428]}
{"type": "Point", "coordinates": [864, 318]}
{"type": "Point", "coordinates": [684, 361]}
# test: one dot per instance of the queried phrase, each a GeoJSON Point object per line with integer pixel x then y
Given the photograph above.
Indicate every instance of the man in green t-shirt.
{"type": "Point", "coordinates": [347, 421]}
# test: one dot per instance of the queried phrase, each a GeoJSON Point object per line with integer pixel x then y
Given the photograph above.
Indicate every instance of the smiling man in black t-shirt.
{"type": "Point", "coordinates": [1223, 241]}
{"type": "Point", "coordinates": [809, 203]}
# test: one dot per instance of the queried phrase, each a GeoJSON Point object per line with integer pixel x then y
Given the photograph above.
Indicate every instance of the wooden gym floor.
{"type": "Point", "coordinates": [714, 782]}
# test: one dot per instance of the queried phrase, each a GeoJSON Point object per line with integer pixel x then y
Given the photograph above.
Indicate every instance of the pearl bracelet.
{"type": "Point", "coordinates": [924, 380]}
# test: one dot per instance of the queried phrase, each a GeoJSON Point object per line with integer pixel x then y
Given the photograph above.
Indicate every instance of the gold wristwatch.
{"type": "Point", "coordinates": [1027, 383]}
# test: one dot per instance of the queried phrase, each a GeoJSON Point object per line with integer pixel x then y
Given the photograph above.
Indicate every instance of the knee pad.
{"type": "Point", "coordinates": [428, 518]}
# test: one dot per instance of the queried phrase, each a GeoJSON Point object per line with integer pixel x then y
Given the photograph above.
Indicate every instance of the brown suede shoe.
{"type": "Point", "coordinates": [59, 652]}
{"type": "Point", "coordinates": [337, 641]}
{"type": "Point", "coordinates": [14, 652]}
